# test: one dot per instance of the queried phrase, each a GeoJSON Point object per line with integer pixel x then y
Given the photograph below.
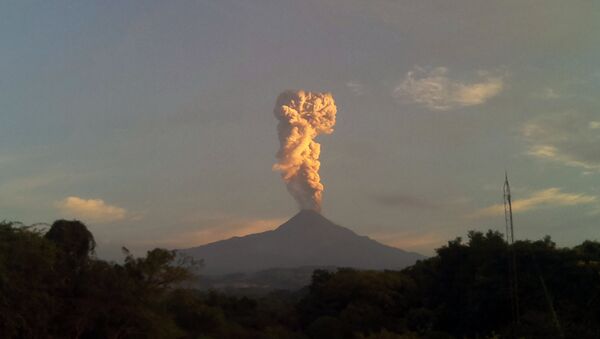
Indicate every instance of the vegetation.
{"type": "Point", "coordinates": [52, 286]}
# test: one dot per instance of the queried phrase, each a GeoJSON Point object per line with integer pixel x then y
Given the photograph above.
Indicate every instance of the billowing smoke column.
{"type": "Point", "coordinates": [302, 116]}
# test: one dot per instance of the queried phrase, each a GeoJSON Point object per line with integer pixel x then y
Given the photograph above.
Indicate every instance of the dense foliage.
{"type": "Point", "coordinates": [52, 286]}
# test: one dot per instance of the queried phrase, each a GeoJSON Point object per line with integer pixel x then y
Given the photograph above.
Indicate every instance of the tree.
{"type": "Point", "coordinates": [27, 282]}
{"type": "Point", "coordinates": [73, 238]}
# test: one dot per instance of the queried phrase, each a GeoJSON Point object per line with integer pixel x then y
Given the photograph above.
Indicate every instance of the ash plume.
{"type": "Point", "coordinates": [302, 116]}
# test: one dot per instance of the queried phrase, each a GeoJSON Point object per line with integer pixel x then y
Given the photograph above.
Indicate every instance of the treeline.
{"type": "Point", "coordinates": [52, 286]}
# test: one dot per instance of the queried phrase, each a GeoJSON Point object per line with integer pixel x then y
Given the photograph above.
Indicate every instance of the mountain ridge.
{"type": "Point", "coordinates": [307, 239]}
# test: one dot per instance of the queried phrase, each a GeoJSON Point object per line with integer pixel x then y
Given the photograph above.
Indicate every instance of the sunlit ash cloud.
{"type": "Point", "coordinates": [436, 91]}
{"type": "Point", "coordinates": [302, 117]}
{"type": "Point", "coordinates": [90, 210]}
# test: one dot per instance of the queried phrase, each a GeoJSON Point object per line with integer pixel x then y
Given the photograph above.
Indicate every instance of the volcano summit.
{"type": "Point", "coordinates": [307, 239]}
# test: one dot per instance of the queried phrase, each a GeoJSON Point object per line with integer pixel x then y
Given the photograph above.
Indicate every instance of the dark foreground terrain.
{"type": "Point", "coordinates": [52, 286]}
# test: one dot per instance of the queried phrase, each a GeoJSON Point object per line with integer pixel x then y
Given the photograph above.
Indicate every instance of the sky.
{"type": "Point", "coordinates": [152, 121]}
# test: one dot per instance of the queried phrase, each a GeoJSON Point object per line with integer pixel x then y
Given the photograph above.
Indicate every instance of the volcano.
{"type": "Point", "coordinates": [307, 239]}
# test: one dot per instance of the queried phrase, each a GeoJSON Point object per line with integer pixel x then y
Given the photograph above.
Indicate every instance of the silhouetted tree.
{"type": "Point", "coordinates": [73, 238]}
{"type": "Point", "coordinates": [27, 282]}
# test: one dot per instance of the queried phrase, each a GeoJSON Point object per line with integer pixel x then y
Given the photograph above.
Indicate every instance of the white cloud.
{"type": "Point", "coordinates": [90, 210]}
{"type": "Point", "coordinates": [544, 198]}
{"type": "Point", "coordinates": [438, 92]}
{"type": "Point", "coordinates": [570, 138]}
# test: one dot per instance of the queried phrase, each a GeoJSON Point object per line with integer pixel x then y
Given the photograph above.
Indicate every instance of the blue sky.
{"type": "Point", "coordinates": [152, 121]}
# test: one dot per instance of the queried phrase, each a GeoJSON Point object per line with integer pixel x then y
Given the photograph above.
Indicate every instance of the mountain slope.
{"type": "Point", "coordinates": [307, 239]}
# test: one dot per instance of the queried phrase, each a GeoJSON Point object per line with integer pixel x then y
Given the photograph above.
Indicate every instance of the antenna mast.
{"type": "Point", "coordinates": [508, 217]}
{"type": "Point", "coordinates": [510, 239]}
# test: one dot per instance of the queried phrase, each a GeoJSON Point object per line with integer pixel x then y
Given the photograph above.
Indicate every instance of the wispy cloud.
{"type": "Point", "coordinates": [90, 210]}
{"type": "Point", "coordinates": [435, 90]}
{"type": "Point", "coordinates": [422, 242]}
{"type": "Point", "coordinates": [221, 229]}
{"type": "Point", "coordinates": [356, 87]}
{"type": "Point", "coordinates": [569, 138]}
{"type": "Point", "coordinates": [403, 200]}
{"type": "Point", "coordinates": [29, 183]}
{"type": "Point", "coordinates": [544, 198]}
{"type": "Point", "coordinates": [594, 125]}
{"type": "Point", "coordinates": [548, 93]}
